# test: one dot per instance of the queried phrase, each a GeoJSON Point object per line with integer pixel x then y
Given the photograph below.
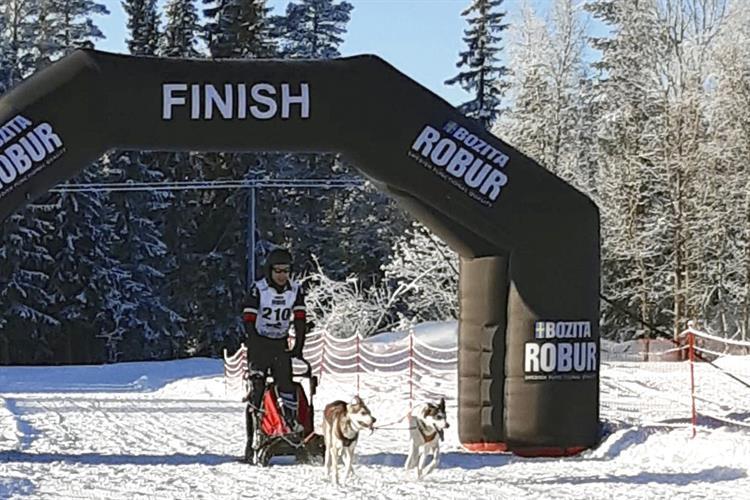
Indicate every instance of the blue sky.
{"type": "Point", "coordinates": [422, 38]}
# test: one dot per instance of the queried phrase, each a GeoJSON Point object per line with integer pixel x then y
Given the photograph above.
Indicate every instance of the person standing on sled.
{"type": "Point", "coordinates": [272, 304]}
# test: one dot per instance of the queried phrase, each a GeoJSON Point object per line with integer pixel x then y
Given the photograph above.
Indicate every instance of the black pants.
{"type": "Point", "coordinates": [264, 354]}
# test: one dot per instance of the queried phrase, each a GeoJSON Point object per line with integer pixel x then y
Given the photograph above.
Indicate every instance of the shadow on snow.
{"type": "Point", "coordinates": [714, 475]}
{"type": "Point", "coordinates": [106, 459]}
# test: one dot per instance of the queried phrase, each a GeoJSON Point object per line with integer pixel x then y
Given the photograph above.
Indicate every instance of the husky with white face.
{"type": "Point", "coordinates": [427, 422]}
{"type": "Point", "coordinates": [341, 425]}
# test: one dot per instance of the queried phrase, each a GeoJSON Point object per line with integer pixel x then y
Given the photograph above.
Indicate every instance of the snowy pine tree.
{"type": "Point", "coordinates": [314, 29]}
{"type": "Point", "coordinates": [181, 30]}
{"type": "Point", "coordinates": [19, 34]}
{"type": "Point", "coordinates": [66, 25]}
{"type": "Point", "coordinates": [45, 43]}
{"type": "Point", "coordinates": [24, 300]}
{"type": "Point", "coordinates": [481, 72]}
{"type": "Point", "coordinates": [545, 88]}
{"type": "Point", "coordinates": [143, 27]}
{"type": "Point", "coordinates": [141, 323]}
{"type": "Point", "coordinates": [84, 272]}
{"type": "Point", "coordinates": [366, 223]}
{"type": "Point", "coordinates": [529, 87]}
{"type": "Point", "coordinates": [182, 215]}
{"type": "Point", "coordinates": [151, 328]}
{"type": "Point", "coordinates": [238, 28]}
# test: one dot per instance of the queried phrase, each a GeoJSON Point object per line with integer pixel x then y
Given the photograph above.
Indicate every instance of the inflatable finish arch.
{"type": "Point", "coordinates": [529, 243]}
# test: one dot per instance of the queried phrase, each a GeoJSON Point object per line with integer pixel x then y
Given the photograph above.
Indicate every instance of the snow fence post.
{"type": "Point", "coordinates": [357, 360]}
{"type": "Point", "coordinates": [324, 334]}
{"type": "Point", "coordinates": [226, 385]}
{"type": "Point", "coordinates": [691, 353]}
{"type": "Point", "coordinates": [411, 365]}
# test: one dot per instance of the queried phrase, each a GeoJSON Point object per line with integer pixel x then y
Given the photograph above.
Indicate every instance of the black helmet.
{"type": "Point", "coordinates": [277, 256]}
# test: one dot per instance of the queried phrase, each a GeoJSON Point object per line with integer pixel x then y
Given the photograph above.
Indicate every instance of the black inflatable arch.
{"type": "Point", "coordinates": [529, 243]}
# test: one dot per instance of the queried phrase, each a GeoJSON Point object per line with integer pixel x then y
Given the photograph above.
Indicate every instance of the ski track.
{"type": "Point", "coordinates": [184, 440]}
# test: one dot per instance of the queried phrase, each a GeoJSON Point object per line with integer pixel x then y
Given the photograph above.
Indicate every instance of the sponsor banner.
{"type": "Point", "coordinates": [561, 350]}
{"type": "Point", "coordinates": [25, 148]}
{"type": "Point", "coordinates": [235, 101]}
{"type": "Point", "coordinates": [463, 159]}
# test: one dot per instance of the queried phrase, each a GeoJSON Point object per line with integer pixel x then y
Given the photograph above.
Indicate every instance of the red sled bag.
{"type": "Point", "coordinates": [273, 423]}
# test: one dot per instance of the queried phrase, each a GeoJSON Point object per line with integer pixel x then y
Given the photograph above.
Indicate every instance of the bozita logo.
{"type": "Point", "coordinates": [24, 149]}
{"type": "Point", "coordinates": [561, 350]}
{"type": "Point", "coordinates": [463, 159]}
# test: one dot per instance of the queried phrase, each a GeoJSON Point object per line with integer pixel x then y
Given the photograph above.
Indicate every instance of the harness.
{"type": "Point", "coordinates": [340, 435]}
{"type": "Point", "coordinates": [423, 431]}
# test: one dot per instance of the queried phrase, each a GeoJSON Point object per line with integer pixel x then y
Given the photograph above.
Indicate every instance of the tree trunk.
{"type": "Point", "coordinates": [678, 291]}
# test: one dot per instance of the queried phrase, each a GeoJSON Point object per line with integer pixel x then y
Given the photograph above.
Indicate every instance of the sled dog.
{"type": "Point", "coordinates": [341, 425]}
{"type": "Point", "coordinates": [427, 422]}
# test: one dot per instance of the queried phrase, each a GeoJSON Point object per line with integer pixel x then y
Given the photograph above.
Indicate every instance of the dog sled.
{"type": "Point", "coordinates": [268, 435]}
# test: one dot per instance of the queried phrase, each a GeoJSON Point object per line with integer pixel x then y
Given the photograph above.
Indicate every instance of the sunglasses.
{"type": "Point", "coordinates": [281, 270]}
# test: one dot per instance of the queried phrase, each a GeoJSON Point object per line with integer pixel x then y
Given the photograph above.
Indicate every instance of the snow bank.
{"type": "Point", "coordinates": [439, 334]}
{"type": "Point", "coordinates": [136, 376]}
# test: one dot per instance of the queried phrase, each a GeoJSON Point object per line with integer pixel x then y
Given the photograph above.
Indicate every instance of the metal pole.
{"type": "Point", "coordinates": [251, 238]}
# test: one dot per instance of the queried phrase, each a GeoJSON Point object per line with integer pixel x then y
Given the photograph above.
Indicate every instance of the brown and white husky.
{"type": "Point", "coordinates": [341, 425]}
{"type": "Point", "coordinates": [427, 423]}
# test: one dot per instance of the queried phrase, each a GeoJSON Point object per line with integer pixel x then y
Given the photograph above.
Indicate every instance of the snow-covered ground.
{"type": "Point", "coordinates": [169, 430]}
